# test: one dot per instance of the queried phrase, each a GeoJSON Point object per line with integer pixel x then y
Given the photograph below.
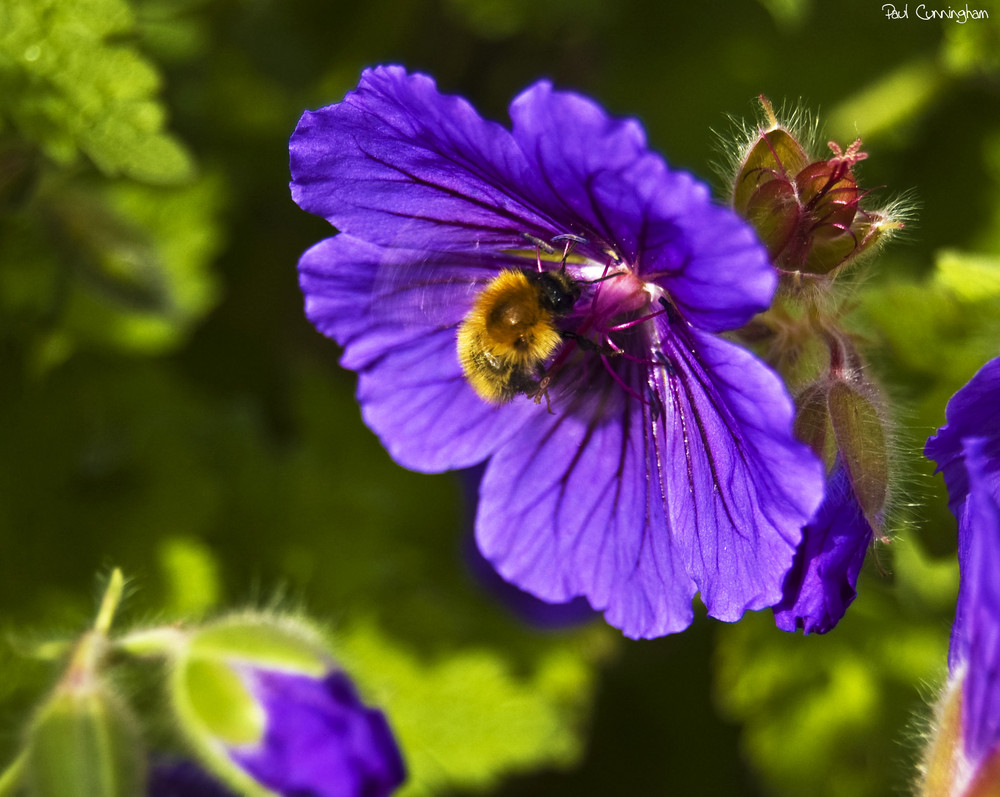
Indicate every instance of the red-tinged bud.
{"type": "Point", "coordinates": [806, 210]}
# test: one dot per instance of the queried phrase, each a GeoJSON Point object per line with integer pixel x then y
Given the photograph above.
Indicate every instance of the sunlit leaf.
{"type": "Point", "coordinates": [825, 715]}
{"type": "Point", "coordinates": [466, 718]}
{"type": "Point", "coordinates": [71, 85]}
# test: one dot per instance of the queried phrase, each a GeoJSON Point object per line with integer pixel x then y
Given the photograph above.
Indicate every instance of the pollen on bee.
{"type": "Point", "coordinates": [510, 332]}
{"type": "Point", "coordinates": [512, 319]}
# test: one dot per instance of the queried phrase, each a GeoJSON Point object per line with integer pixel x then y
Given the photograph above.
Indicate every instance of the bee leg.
{"type": "Point", "coordinates": [533, 388]}
{"type": "Point", "coordinates": [542, 389]}
{"type": "Point", "coordinates": [587, 344]}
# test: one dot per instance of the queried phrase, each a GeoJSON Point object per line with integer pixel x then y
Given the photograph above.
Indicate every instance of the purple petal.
{"type": "Point", "coordinates": [400, 165]}
{"type": "Point", "coordinates": [638, 506]}
{"type": "Point", "coordinates": [974, 411]}
{"type": "Point", "coordinates": [975, 641]}
{"type": "Point", "coordinates": [397, 163]}
{"type": "Point", "coordinates": [566, 509]}
{"type": "Point", "coordinates": [526, 607]}
{"type": "Point", "coordinates": [661, 221]}
{"type": "Point", "coordinates": [319, 740]}
{"type": "Point", "coordinates": [821, 584]}
{"type": "Point", "coordinates": [523, 605]}
{"type": "Point", "coordinates": [395, 311]}
{"type": "Point", "coordinates": [738, 486]}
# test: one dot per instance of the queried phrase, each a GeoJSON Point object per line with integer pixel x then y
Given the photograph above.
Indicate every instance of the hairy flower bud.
{"type": "Point", "coordinates": [806, 210]}
{"type": "Point", "coordinates": [264, 708]}
{"type": "Point", "coordinates": [840, 417]}
{"type": "Point", "coordinates": [83, 741]}
{"type": "Point", "coordinates": [859, 428]}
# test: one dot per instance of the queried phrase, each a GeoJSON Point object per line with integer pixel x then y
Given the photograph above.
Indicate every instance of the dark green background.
{"type": "Point", "coordinates": [221, 461]}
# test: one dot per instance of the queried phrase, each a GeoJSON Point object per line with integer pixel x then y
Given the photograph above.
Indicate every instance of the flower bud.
{"type": "Point", "coordinates": [806, 210]}
{"type": "Point", "coordinates": [83, 741]}
{"type": "Point", "coordinates": [859, 429]}
{"type": "Point", "coordinates": [841, 417]}
{"type": "Point", "coordinates": [267, 711]}
{"type": "Point", "coordinates": [838, 416]}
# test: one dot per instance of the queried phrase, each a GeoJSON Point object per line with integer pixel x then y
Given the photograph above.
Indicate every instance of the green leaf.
{"type": "Point", "coordinates": [466, 718]}
{"type": "Point", "coordinates": [970, 277]}
{"type": "Point", "coordinates": [887, 103]}
{"type": "Point", "coordinates": [121, 265]}
{"type": "Point", "coordinates": [70, 85]}
{"type": "Point", "coordinates": [191, 574]}
{"type": "Point", "coordinates": [824, 715]}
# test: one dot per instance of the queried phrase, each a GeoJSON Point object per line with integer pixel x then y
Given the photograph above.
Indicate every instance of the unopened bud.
{"type": "Point", "coordinates": [807, 210]}
{"type": "Point", "coordinates": [943, 757]}
{"type": "Point", "coordinates": [267, 711]}
{"type": "Point", "coordinates": [83, 741]}
{"type": "Point", "coordinates": [812, 419]}
{"type": "Point", "coordinates": [859, 428]}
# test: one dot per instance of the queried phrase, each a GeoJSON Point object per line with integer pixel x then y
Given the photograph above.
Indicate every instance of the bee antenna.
{"type": "Point", "coordinates": [606, 277]}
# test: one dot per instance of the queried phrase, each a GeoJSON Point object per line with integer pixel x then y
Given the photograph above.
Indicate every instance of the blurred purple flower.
{"type": "Point", "coordinates": [183, 778]}
{"type": "Point", "coordinates": [967, 451]}
{"type": "Point", "coordinates": [821, 584]}
{"type": "Point", "coordinates": [667, 465]}
{"type": "Point", "coordinates": [320, 740]}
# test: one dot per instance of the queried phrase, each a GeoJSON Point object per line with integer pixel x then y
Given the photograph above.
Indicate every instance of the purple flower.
{"type": "Point", "coordinates": [974, 411]}
{"type": "Point", "coordinates": [967, 451]}
{"type": "Point", "coordinates": [821, 584]}
{"type": "Point", "coordinates": [319, 739]}
{"type": "Point", "coordinates": [183, 779]}
{"type": "Point", "coordinates": [656, 459]}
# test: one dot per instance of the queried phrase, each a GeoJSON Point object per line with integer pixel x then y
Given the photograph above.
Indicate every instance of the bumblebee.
{"type": "Point", "coordinates": [510, 332]}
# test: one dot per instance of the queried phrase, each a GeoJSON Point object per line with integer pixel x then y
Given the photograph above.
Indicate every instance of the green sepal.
{"type": "Point", "coordinates": [84, 743]}
{"type": "Point", "coordinates": [861, 438]}
{"type": "Point", "coordinates": [774, 212]}
{"type": "Point", "coordinates": [212, 701]}
{"type": "Point", "coordinates": [220, 701]}
{"type": "Point", "coordinates": [943, 756]}
{"type": "Point", "coordinates": [812, 419]}
{"type": "Point", "coordinates": [775, 155]}
{"type": "Point", "coordinates": [263, 641]}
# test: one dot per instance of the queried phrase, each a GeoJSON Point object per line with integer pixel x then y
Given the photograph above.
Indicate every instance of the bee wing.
{"type": "Point", "coordinates": [433, 290]}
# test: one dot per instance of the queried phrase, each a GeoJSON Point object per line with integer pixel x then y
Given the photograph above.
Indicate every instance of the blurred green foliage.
{"type": "Point", "coordinates": [165, 407]}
